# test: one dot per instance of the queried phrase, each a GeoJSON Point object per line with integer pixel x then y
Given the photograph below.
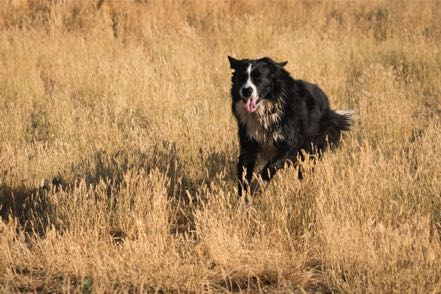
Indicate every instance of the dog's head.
{"type": "Point", "coordinates": [254, 80]}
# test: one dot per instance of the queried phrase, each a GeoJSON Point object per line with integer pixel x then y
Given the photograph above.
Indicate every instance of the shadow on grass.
{"type": "Point", "coordinates": [30, 205]}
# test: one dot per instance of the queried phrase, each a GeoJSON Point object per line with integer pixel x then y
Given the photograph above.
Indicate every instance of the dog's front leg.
{"type": "Point", "coordinates": [246, 163]}
{"type": "Point", "coordinates": [285, 151]}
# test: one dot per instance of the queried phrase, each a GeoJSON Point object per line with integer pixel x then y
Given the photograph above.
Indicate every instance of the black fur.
{"type": "Point", "coordinates": [306, 121]}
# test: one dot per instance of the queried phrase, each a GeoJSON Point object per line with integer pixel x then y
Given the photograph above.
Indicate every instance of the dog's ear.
{"type": "Point", "coordinates": [274, 64]}
{"type": "Point", "coordinates": [282, 64]}
{"type": "Point", "coordinates": [233, 62]}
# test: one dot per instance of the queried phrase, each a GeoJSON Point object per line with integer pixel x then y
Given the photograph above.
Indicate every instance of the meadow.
{"type": "Point", "coordinates": [118, 148]}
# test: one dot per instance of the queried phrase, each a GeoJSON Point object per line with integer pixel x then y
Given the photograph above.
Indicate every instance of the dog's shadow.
{"type": "Point", "coordinates": [30, 203]}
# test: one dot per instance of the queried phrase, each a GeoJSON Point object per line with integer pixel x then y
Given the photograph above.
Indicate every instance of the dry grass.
{"type": "Point", "coordinates": [117, 148]}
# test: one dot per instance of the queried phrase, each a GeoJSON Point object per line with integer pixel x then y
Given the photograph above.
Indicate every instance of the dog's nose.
{"type": "Point", "coordinates": [246, 92]}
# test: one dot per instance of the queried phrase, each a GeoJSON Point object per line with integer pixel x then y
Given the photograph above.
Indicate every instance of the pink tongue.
{"type": "Point", "coordinates": [250, 106]}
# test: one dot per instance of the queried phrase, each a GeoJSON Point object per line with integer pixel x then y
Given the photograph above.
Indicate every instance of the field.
{"type": "Point", "coordinates": [118, 148]}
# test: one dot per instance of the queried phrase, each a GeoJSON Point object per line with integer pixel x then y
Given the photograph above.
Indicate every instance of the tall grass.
{"type": "Point", "coordinates": [118, 149]}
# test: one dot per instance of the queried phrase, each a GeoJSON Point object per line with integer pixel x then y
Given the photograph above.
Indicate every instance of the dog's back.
{"type": "Point", "coordinates": [321, 125]}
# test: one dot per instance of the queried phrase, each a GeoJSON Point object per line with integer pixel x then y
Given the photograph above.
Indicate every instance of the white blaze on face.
{"type": "Point", "coordinates": [251, 102]}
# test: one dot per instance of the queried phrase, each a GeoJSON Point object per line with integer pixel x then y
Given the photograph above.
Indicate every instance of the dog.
{"type": "Point", "coordinates": [279, 118]}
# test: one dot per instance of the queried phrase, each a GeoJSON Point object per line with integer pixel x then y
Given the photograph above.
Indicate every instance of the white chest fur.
{"type": "Point", "coordinates": [258, 125]}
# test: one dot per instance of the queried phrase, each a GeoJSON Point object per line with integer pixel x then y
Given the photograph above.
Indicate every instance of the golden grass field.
{"type": "Point", "coordinates": [118, 148]}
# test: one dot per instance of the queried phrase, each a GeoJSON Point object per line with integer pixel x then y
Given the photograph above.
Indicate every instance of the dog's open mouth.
{"type": "Point", "coordinates": [251, 104]}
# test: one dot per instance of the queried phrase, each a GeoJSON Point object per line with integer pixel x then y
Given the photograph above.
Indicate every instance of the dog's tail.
{"type": "Point", "coordinates": [331, 125]}
{"type": "Point", "coordinates": [342, 119]}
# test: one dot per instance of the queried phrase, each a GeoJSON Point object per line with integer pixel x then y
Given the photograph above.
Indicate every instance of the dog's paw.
{"type": "Point", "coordinates": [256, 187]}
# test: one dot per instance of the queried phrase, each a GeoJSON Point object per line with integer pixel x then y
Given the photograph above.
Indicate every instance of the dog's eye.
{"type": "Point", "coordinates": [242, 78]}
{"type": "Point", "coordinates": [256, 74]}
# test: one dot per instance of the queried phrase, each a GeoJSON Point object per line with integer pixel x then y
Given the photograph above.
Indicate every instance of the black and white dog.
{"type": "Point", "coordinates": [278, 117]}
